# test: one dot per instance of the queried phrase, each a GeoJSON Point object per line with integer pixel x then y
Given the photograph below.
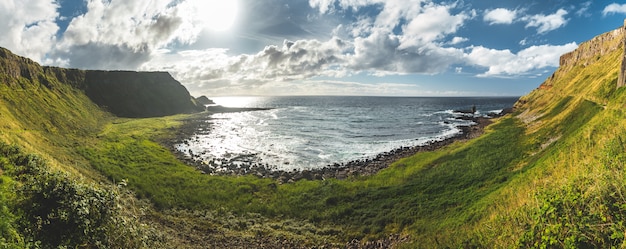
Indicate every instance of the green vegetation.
{"type": "Point", "coordinates": [551, 175]}
{"type": "Point", "coordinates": [50, 209]}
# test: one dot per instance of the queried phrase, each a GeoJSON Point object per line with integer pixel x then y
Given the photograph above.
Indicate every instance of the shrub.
{"type": "Point", "coordinates": [54, 210]}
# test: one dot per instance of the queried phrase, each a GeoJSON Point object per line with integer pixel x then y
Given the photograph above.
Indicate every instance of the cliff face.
{"type": "Point", "coordinates": [609, 44]}
{"type": "Point", "coordinates": [13, 66]}
{"type": "Point", "coordinates": [621, 80]}
{"type": "Point", "coordinates": [594, 48]}
{"type": "Point", "coordinates": [123, 93]}
{"type": "Point", "coordinates": [590, 51]}
{"type": "Point", "coordinates": [138, 94]}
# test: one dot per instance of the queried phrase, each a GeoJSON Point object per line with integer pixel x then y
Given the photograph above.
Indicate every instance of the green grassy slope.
{"type": "Point", "coordinates": [49, 195]}
{"type": "Point", "coordinates": [42, 114]}
{"type": "Point", "coordinates": [571, 192]}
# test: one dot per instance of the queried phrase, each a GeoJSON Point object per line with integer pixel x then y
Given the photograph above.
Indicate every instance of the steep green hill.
{"type": "Point", "coordinates": [570, 192]}
{"type": "Point", "coordinates": [41, 113]}
{"type": "Point", "coordinates": [49, 193]}
{"type": "Point", "coordinates": [550, 175]}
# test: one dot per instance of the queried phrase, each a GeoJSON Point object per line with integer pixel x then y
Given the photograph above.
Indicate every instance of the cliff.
{"type": "Point", "coordinates": [138, 94]}
{"type": "Point", "coordinates": [621, 80]}
{"type": "Point", "coordinates": [592, 50]}
{"type": "Point", "coordinates": [123, 93]}
{"type": "Point", "coordinates": [586, 56]}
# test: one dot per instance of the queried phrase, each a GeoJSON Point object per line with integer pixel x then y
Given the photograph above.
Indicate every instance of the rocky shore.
{"type": "Point", "coordinates": [246, 164]}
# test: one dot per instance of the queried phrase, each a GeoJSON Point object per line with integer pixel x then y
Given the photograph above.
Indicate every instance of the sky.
{"type": "Point", "coordinates": [314, 47]}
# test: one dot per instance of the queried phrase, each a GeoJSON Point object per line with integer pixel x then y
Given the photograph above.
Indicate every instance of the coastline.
{"type": "Point", "coordinates": [361, 167]}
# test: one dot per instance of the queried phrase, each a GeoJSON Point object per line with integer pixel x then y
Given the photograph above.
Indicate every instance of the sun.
{"type": "Point", "coordinates": [217, 15]}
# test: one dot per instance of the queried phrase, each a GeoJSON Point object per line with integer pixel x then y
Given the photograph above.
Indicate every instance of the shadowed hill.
{"type": "Point", "coordinates": [138, 94]}
{"type": "Point", "coordinates": [131, 94]}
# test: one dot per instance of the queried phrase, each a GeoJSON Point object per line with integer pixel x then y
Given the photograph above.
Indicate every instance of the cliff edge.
{"type": "Point", "coordinates": [123, 93]}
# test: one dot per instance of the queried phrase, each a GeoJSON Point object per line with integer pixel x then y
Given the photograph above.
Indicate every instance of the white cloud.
{"type": "Point", "coordinates": [28, 27]}
{"type": "Point", "coordinates": [503, 63]}
{"type": "Point", "coordinates": [614, 8]}
{"type": "Point", "coordinates": [546, 23]}
{"type": "Point", "coordinates": [422, 19]}
{"type": "Point", "coordinates": [543, 23]}
{"type": "Point", "coordinates": [394, 11]}
{"type": "Point", "coordinates": [458, 40]}
{"type": "Point", "coordinates": [500, 16]}
{"type": "Point", "coordinates": [523, 42]}
{"type": "Point", "coordinates": [432, 24]}
{"type": "Point", "coordinates": [329, 6]}
{"type": "Point", "coordinates": [131, 29]}
{"type": "Point", "coordinates": [383, 53]}
{"type": "Point", "coordinates": [297, 60]}
{"type": "Point", "coordinates": [371, 48]}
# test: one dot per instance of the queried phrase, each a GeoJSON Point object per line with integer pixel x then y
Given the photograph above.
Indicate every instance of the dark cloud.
{"type": "Point", "coordinates": [105, 56]}
{"type": "Point", "coordinates": [164, 27]}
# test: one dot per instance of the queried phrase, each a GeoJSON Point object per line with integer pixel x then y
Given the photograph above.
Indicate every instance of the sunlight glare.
{"type": "Point", "coordinates": [218, 15]}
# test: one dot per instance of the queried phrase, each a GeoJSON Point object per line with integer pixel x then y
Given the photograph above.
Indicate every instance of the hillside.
{"type": "Point", "coordinates": [126, 94]}
{"type": "Point", "coordinates": [45, 114]}
{"type": "Point", "coordinates": [550, 175]}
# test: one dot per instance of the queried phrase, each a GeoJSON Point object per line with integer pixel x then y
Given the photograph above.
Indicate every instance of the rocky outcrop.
{"type": "Point", "coordinates": [15, 66]}
{"type": "Point", "coordinates": [597, 47]}
{"type": "Point", "coordinates": [594, 48]}
{"type": "Point", "coordinates": [138, 94]}
{"type": "Point", "coordinates": [204, 102]}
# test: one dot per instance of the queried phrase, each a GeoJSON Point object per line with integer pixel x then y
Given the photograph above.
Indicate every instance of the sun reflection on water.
{"type": "Point", "coordinates": [238, 101]}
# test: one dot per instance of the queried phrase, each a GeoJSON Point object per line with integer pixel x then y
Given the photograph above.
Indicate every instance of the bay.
{"type": "Point", "coordinates": [308, 132]}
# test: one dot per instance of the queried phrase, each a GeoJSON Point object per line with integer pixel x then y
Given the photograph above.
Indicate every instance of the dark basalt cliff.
{"type": "Point", "coordinates": [123, 93]}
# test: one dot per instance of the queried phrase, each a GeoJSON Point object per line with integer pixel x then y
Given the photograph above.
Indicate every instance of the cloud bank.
{"type": "Point", "coordinates": [369, 37]}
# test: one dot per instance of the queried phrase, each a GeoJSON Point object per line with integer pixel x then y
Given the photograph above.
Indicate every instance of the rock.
{"type": "Point", "coordinates": [203, 100]}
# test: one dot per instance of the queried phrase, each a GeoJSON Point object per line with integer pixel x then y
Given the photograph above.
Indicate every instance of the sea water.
{"type": "Point", "coordinates": [313, 132]}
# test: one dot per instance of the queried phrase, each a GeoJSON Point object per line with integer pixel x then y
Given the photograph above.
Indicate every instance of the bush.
{"type": "Point", "coordinates": [54, 210]}
{"type": "Point", "coordinates": [58, 211]}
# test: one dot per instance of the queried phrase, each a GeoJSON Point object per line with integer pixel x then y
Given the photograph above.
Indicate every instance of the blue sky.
{"type": "Point", "coordinates": [314, 47]}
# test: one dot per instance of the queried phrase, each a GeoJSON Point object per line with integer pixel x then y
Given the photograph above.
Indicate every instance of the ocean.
{"type": "Point", "coordinates": [308, 132]}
